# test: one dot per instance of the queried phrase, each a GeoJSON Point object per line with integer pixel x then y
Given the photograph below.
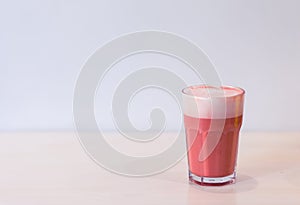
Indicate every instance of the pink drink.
{"type": "Point", "coordinates": [212, 121]}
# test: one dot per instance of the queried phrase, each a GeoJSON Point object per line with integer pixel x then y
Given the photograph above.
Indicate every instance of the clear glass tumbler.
{"type": "Point", "coordinates": [213, 118]}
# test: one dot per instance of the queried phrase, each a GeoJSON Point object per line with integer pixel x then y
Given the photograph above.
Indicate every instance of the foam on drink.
{"type": "Point", "coordinates": [213, 102]}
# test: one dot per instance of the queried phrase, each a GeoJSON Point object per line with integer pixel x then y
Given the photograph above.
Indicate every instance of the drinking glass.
{"type": "Point", "coordinates": [212, 118]}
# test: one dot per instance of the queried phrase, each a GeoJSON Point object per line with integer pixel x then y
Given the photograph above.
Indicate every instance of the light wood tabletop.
{"type": "Point", "coordinates": [53, 168]}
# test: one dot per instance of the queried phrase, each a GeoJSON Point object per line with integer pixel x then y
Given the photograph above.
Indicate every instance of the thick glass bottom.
{"type": "Point", "coordinates": [212, 181]}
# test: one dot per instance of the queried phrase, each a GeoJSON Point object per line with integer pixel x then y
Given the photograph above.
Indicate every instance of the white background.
{"type": "Point", "coordinates": [43, 44]}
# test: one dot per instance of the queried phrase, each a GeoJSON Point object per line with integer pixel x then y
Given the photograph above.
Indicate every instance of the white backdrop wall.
{"type": "Point", "coordinates": [43, 44]}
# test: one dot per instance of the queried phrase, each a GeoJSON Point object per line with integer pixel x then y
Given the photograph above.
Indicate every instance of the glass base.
{"type": "Point", "coordinates": [212, 181]}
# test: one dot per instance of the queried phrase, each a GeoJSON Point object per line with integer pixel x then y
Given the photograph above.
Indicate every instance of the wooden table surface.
{"type": "Point", "coordinates": [52, 168]}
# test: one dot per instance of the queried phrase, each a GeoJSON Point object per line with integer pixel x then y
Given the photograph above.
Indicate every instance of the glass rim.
{"type": "Point", "coordinates": [240, 92]}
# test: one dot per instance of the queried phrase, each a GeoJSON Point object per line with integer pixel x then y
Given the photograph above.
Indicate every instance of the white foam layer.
{"type": "Point", "coordinates": [212, 102]}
